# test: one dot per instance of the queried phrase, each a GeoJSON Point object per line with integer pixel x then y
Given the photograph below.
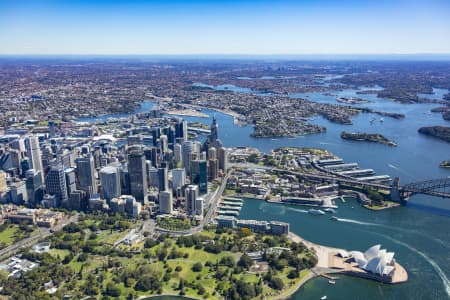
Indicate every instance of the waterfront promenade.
{"type": "Point", "coordinates": [330, 262]}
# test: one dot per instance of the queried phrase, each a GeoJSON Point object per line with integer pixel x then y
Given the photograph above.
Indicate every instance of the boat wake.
{"type": "Point", "coordinates": [400, 170]}
{"type": "Point", "coordinates": [297, 210]}
{"type": "Point", "coordinates": [433, 264]}
{"type": "Point", "coordinates": [358, 222]}
{"type": "Point", "coordinates": [438, 241]}
{"type": "Point", "coordinates": [272, 210]}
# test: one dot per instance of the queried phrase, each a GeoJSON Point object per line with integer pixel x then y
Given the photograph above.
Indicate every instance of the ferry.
{"type": "Point", "coordinates": [317, 212]}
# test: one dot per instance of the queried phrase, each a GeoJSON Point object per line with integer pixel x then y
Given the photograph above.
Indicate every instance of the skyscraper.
{"type": "Point", "coordinates": [178, 178]}
{"type": "Point", "coordinates": [165, 202]}
{"type": "Point", "coordinates": [199, 203]}
{"type": "Point", "coordinates": [163, 143]}
{"type": "Point", "coordinates": [212, 153]}
{"type": "Point", "coordinates": [199, 175]}
{"type": "Point", "coordinates": [71, 181]}
{"type": "Point", "coordinates": [177, 153]}
{"type": "Point", "coordinates": [110, 182]}
{"type": "Point", "coordinates": [214, 135]}
{"type": "Point", "coordinates": [55, 183]}
{"type": "Point", "coordinates": [138, 176]}
{"type": "Point", "coordinates": [191, 196]}
{"type": "Point", "coordinates": [86, 174]}
{"type": "Point", "coordinates": [181, 129]}
{"type": "Point", "coordinates": [34, 153]}
{"type": "Point", "coordinates": [213, 168]}
{"type": "Point", "coordinates": [163, 179]}
{"type": "Point", "coordinates": [186, 149]}
{"type": "Point", "coordinates": [223, 159]}
{"type": "Point", "coordinates": [35, 188]}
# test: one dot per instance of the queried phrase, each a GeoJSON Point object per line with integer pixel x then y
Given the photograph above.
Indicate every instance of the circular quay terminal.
{"type": "Point", "coordinates": [224, 150]}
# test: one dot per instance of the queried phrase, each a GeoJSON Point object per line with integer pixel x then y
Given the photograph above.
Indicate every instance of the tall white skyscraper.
{"type": "Point", "coordinates": [110, 182]}
{"type": "Point", "coordinates": [178, 178]}
{"type": "Point", "coordinates": [34, 153]}
{"type": "Point", "coordinates": [177, 153]}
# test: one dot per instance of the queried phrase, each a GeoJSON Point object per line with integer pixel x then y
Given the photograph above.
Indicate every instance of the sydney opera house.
{"type": "Point", "coordinates": [375, 260]}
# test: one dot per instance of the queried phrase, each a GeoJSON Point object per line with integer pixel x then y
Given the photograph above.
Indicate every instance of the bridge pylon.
{"type": "Point", "coordinates": [396, 195]}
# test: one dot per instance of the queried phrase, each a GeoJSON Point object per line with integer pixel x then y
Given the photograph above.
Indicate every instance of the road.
{"type": "Point", "coordinates": [208, 218]}
{"type": "Point", "coordinates": [34, 239]}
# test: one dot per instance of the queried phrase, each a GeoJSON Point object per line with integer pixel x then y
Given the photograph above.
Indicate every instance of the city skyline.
{"type": "Point", "coordinates": [226, 28]}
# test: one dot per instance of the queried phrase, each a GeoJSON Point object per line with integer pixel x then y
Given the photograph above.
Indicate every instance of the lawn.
{"type": "Point", "coordinates": [8, 235]}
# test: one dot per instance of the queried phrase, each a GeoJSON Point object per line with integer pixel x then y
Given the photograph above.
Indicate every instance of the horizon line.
{"type": "Point", "coordinates": [430, 56]}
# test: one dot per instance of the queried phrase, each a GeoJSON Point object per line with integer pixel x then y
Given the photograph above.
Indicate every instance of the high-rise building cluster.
{"type": "Point", "coordinates": [125, 166]}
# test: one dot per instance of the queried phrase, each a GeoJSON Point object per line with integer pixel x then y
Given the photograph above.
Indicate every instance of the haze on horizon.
{"type": "Point", "coordinates": [224, 27]}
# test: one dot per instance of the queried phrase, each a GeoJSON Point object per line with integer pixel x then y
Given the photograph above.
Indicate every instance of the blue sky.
{"type": "Point", "coordinates": [224, 27]}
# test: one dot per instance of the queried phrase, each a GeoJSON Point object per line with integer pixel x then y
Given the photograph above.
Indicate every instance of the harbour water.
{"type": "Point", "coordinates": [418, 232]}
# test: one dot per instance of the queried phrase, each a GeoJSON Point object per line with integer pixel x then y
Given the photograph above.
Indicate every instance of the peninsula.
{"type": "Point", "coordinates": [368, 137]}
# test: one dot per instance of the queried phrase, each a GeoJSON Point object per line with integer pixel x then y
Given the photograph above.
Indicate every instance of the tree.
{"type": "Point", "coordinates": [150, 243]}
{"type": "Point", "coordinates": [228, 261]}
{"type": "Point", "coordinates": [148, 282]}
{"type": "Point", "coordinates": [201, 289]}
{"type": "Point", "coordinates": [245, 261]}
{"type": "Point", "coordinates": [112, 290]}
{"type": "Point", "coordinates": [293, 274]}
{"type": "Point", "coordinates": [197, 267]}
{"type": "Point", "coordinates": [276, 283]}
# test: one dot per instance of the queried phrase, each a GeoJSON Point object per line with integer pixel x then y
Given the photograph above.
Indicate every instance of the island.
{"type": "Point", "coordinates": [440, 132]}
{"type": "Point", "coordinates": [445, 164]}
{"type": "Point", "coordinates": [368, 137]}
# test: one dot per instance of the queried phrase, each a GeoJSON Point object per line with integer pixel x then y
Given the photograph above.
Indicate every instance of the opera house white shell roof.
{"type": "Point", "coordinates": [375, 260]}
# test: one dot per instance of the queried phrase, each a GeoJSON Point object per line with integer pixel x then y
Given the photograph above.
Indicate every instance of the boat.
{"type": "Point", "coordinates": [331, 282]}
{"type": "Point", "coordinates": [382, 120]}
{"type": "Point", "coordinates": [323, 297]}
{"type": "Point", "coordinates": [317, 212]}
{"type": "Point", "coordinates": [334, 218]}
{"type": "Point", "coordinates": [330, 210]}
